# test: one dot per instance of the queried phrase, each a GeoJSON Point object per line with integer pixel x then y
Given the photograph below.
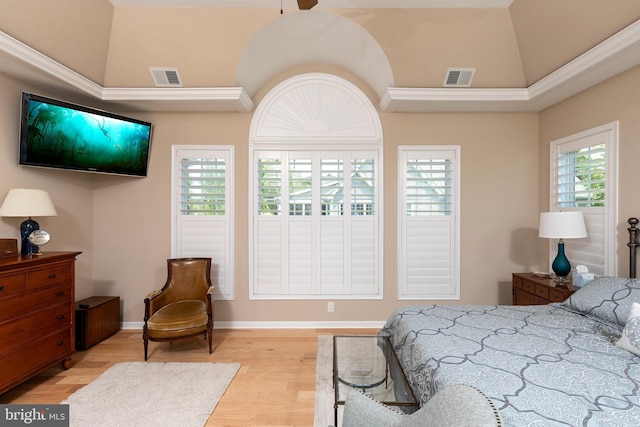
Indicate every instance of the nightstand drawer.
{"type": "Point", "coordinates": [517, 282]}
{"type": "Point", "coordinates": [528, 286]}
{"type": "Point", "coordinates": [542, 291]}
{"type": "Point", "coordinates": [529, 289]}
{"type": "Point", "coordinates": [557, 296]}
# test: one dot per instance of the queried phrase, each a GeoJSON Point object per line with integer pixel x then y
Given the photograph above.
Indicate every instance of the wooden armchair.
{"type": "Point", "coordinates": [183, 308]}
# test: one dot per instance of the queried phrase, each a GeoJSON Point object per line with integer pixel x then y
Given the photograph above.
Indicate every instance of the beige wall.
{"type": "Point", "coordinates": [122, 225]}
{"type": "Point", "coordinates": [616, 99]}
{"type": "Point", "coordinates": [72, 194]}
{"type": "Point", "coordinates": [499, 212]}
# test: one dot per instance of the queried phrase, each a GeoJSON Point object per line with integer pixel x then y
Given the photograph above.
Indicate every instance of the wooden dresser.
{"type": "Point", "coordinates": [37, 309]}
{"type": "Point", "coordinates": [531, 290]}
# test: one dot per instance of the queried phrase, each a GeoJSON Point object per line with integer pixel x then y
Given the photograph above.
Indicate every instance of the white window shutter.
{"type": "Point", "coordinates": [202, 209]}
{"type": "Point", "coordinates": [428, 220]}
{"type": "Point", "coordinates": [584, 178]}
{"type": "Point", "coordinates": [316, 224]}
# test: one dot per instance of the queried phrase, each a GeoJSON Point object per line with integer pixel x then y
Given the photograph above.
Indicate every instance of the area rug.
{"type": "Point", "coordinates": [151, 394]}
{"type": "Point", "coordinates": [324, 412]}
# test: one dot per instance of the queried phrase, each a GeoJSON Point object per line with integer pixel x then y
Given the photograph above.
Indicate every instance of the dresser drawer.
{"type": "Point", "coordinates": [25, 329]}
{"type": "Point", "coordinates": [12, 284]}
{"type": "Point", "coordinates": [37, 314]}
{"type": "Point", "coordinates": [12, 308]}
{"type": "Point", "coordinates": [39, 354]}
{"type": "Point", "coordinates": [51, 275]}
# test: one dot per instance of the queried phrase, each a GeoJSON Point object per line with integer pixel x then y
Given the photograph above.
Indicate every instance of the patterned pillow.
{"type": "Point", "coordinates": [630, 339]}
{"type": "Point", "coordinates": [606, 298]}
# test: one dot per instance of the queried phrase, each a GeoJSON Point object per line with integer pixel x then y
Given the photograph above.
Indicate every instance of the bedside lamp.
{"type": "Point", "coordinates": [562, 225]}
{"type": "Point", "coordinates": [21, 202]}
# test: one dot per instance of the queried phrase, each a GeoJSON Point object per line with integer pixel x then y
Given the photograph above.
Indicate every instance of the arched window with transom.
{"type": "Point", "coordinates": [315, 192]}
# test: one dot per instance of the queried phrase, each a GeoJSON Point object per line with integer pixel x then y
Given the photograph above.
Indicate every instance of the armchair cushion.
{"type": "Point", "coordinates": [179, 316]}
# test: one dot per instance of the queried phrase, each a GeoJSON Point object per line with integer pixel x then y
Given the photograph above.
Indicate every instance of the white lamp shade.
{"type": "Point", "coordinates": [26, 202]}
{"type": "Point", "coordinates": [562, 225]}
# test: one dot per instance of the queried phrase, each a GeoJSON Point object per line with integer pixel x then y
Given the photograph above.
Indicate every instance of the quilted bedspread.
{"type": "Point", "coordinates": [542, 365]}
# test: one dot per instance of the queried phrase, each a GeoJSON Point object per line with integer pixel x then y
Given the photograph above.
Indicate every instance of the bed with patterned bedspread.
{"type": "Point", "coordinates": [547, 365]}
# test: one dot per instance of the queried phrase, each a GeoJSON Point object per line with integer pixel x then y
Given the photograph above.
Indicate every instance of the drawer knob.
{"type": "Point", "coordinates": [60, 316]}
{"type": "Point", "coordinates": [59, 294]}
{"type": "Point", "coordinates": [60, 342]}
{"type": "Point", "coordinates": [1, 288]}
{"type": "Point", "coordinates": [52, 276]}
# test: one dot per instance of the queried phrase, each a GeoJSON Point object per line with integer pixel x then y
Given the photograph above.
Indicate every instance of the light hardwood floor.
{"type": "Point", "coordinates": [274, 387]}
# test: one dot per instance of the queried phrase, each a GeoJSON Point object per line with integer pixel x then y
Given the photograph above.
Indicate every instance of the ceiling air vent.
{"type": "Point", "coordinates": [459, 77]}
{"type": "Point", "coordinates": [166, 77]}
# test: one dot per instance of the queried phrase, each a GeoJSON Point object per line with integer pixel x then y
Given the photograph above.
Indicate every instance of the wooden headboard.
{"type": "Point", "coordinates": [633, 244]}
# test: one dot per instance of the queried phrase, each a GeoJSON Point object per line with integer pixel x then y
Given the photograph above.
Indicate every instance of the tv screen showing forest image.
{"type": "Point", "coordinates": [58, 134]}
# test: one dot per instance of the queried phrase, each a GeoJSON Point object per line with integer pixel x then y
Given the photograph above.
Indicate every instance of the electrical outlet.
{"type": "Point", "coordinates": [330, 307]}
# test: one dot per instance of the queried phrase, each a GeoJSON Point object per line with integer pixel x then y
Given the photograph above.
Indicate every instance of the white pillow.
{"type": "Point", "coordinates": [630, 339]}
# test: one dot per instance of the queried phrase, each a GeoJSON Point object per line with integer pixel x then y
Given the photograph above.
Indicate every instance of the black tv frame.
{"type": "Point", "coordinates": [130, 160]}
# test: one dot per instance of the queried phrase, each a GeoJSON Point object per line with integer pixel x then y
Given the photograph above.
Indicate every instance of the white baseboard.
{"type": "Point", "coordinates": [375, 324]}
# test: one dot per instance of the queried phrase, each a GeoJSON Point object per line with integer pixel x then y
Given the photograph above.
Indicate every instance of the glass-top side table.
{"type": "Point", "coordinates": [369, 363]}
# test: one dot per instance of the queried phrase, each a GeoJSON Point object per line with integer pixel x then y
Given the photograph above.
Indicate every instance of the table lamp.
{"type": "Point", "coordinates": [25, 202]}
{"type": "Point", "coordinates": [562, 225]}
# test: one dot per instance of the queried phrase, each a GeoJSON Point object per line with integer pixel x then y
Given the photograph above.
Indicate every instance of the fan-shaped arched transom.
{"type": "Point", "coordinates": [316, 107]}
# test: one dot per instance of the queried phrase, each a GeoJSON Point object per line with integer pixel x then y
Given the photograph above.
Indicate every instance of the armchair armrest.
{"type": "Point", "coordinates": [210, 300]}
{"type": "Point", "coordinates": [153, 294]}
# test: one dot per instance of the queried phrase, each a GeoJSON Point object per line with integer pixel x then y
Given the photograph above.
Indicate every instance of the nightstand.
{"type": "Point", "coordinates": [532, 290]}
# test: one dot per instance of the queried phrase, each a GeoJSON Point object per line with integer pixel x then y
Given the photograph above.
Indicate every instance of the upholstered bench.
{"type": "Point", "coordinates": [454, 406]}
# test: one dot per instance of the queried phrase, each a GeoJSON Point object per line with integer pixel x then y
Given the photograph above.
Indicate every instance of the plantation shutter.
{"type": "Point", "coordinates": [428, 219]}
{"type": "Point", "coordinates": [584, 179]}
{"type": "Point", "coordinates": [203, 209]}
{"type": "Point", "coordinates": [325, 241]}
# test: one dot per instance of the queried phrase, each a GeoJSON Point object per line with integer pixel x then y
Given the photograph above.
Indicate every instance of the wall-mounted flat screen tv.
{"type": "Point", "coordinates": [61, 135]}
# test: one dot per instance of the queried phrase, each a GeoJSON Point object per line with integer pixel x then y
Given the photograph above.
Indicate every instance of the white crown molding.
{"type": "Point", "coordinates": [614, 55]}
{"type": "Point", "coordinates": [23, 62]}
{"type": "Point", "coordinates": [419, 100]}
{"type": "Point", "coordinates": [191, 99]}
